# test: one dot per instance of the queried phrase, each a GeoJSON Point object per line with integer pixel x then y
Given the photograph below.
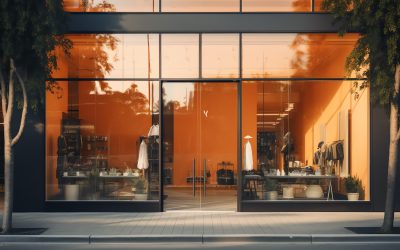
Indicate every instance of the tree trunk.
{"type": "Point", "coordinates": [8, 156]}
{"type": "Point", "coordinates": [387, 225]}
{"type": "Point", "coordinates": [8, 180]}
{"type": "Point", "coordinates": [9, 141]}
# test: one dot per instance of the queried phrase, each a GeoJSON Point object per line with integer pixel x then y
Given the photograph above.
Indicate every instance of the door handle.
{"type": "Point", "coordinates": [204, 176]}
{"type": "Point", "coordinates": [194, 176]}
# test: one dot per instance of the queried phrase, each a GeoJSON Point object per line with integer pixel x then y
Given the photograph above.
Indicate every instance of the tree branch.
{"type": "Point", "coordinates": [398, 135]}
{"type": "Point", "coordinates": [24, 108]}
{"type": "Point", "coordinates": [10, 92]}
{"type": "Point", "coordinates": [3, 94]}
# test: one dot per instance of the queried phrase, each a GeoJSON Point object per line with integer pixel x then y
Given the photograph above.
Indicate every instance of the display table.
{"type": "Point", "coordinates": [310, 177]}
{"type": "Point", "coordinates": [250, 183]}
{"type": "Point", "coordinates": [113, 184]}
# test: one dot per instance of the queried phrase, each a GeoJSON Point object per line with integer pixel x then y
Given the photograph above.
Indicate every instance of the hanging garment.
{"type": "Point", "coordinates": [143, 161]}
{"type": "Point", "coordinates": [248, 157]}
{"type": "Point", "coordinates": [317, 157]}
{"type": "Point", "coordinates": [334, 151]}
{"type": "Point", "coordinates": [340, 151]}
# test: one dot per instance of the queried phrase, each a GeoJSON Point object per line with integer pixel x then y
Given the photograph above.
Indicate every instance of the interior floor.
{"type": "Point", "coordinates": [214, 200]}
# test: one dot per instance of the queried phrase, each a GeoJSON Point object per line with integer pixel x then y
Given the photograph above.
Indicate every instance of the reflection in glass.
{"type": "Point", "coordinates": [296, 55]}
{"type": "Point", "coordinates": [306, 132]}
{"type": "Point", "coordinates": [111, 56]}
{"type": "Point", "coordinates": [180, 55]}
{"type": "Point", "coordinates": [276, 5]}
{"type": "Point", "coordinates": [200, 5]}
{"type": "Point", "coordinates": [94, 133]}
{"type": "Point", "coordinates": [111, 5]}
{"type": "Point", "coordinates": [318, 5]}
{"type": "Point", "coordinates": [220, 55]}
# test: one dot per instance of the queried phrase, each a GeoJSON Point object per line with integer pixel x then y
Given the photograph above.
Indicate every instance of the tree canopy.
{"type": "Point", "coordinates": [30, 31]}
{"type": "Point", "coordinates": [378, 49]}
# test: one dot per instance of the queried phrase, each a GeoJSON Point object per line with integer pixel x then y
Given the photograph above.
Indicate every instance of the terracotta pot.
{"type": "Point", "coordinates": [353, 196]}
{"type": "Point", "coordinates": [271, 195]}
{"type": "Point", "coordinates": [314, 192]}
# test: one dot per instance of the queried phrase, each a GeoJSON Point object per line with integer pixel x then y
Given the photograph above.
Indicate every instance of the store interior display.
{"type": "Point", "coordinates": [304, 140]}
{"type": "Point", "coordinates": [106, 149]}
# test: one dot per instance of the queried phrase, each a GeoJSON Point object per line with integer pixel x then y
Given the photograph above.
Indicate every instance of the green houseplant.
{"type": "Point", "coordinates": [353, 187]}
{"type": "Point", "coordinates": [270, 186]}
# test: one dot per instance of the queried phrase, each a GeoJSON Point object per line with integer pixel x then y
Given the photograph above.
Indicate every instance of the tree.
{"type": "Point", "coordinates": [378, 52]}
{"type": "Point", "coordinates": [30, 32]}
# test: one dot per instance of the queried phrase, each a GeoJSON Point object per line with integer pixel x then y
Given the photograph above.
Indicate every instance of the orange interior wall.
{"type": "Point", "coordinates": [360, 147]}
{"type": "Point", "coordinates": [332, 101]}
{"type": "Point", "coordinates": [212, 137]}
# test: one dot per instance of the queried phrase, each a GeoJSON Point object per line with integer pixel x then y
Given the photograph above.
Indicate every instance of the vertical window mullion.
{"type": "Point", "coordinates": [200, 55]}
{"type": "Point", "coordinates": [240, 56]}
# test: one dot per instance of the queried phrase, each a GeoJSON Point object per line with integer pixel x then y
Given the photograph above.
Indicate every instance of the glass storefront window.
{"type": "Point", "coordinates": [307, 136]}
{"type": "Point", "coordinates": [102, 140]}
{"type": "Point", "coordinates": [180, 55]}
{"type": "Point", "coordinates": [111, 56]}
{"type": "Point", "coordinates": [296, 55]}
{"type": "Point", "coordinates": [220, 55]}
{"type": "Point", "coordinates": [277, 5]}
{"type": "Point", "coordinates": [200, 5]}
{"type": "Point", "coordinates": [111, 5]}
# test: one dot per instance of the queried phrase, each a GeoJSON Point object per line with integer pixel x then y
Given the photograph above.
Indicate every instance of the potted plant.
{"type": "Point", "coordinates": [270, 192]}
{"type": "Point", "coordinates": [353, 188]}
{"type": "Point", "coordinates": [139, 187]}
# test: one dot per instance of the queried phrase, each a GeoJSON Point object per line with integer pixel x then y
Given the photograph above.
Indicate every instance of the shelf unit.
{"type": "Point", "coordinates": [153, 171]}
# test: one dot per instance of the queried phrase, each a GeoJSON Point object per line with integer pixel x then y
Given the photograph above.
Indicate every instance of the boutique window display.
{"type": "Point", "coordinates": [311, 136]}
{"type": "Point", "coordinates": [102, 141]}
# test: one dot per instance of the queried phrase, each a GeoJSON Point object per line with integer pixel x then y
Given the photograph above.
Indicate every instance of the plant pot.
{"type": "Point", "coordinates": [71, 192]}
{"type": "Point", "coordinates": [271, 195]}
{"type": "Point", "coordinates": [353, 196]}
{"type": "Point", "coordinates": [314, 192]}
{"type": "Point", "coordinates": [141, 197]}
{"type": "Point", "coordinates": [288, 192]}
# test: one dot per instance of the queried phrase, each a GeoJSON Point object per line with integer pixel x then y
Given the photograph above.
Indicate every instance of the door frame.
{"type": "Point", "coordinates": [238, 83]}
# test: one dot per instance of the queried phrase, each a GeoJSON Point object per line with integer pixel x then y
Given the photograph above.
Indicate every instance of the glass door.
{"type": "Point", "coordinates": [200, 131]}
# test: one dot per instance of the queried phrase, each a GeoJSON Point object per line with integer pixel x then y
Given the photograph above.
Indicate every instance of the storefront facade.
{"type": "Point", "coordinates": [164, 105]}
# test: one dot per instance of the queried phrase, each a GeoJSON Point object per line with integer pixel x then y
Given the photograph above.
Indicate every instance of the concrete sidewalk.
{"type": "Point", "coordinates": [197, 226]}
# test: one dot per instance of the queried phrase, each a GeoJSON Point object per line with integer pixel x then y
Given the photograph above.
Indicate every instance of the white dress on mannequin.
{"type": "Point", "coordinates": [248, 155]}
{"type": "Point", "coordinates": [143, 161]}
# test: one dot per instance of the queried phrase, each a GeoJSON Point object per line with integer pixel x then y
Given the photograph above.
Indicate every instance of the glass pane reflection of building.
{"type": "Point", "coordinates": [277, 5]}
{"type": "Point", "coordinates": [307, 137]}
{"type": "Point", "coordinates": [102, 141]}
{"type": "Point", "coordinates": [111, 5]}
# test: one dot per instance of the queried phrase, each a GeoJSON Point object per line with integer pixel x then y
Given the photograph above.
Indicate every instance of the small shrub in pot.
{"type": "Point", "coordinates": [353, 187]}
{"type": "Point", "coordinates": [270, 192]}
